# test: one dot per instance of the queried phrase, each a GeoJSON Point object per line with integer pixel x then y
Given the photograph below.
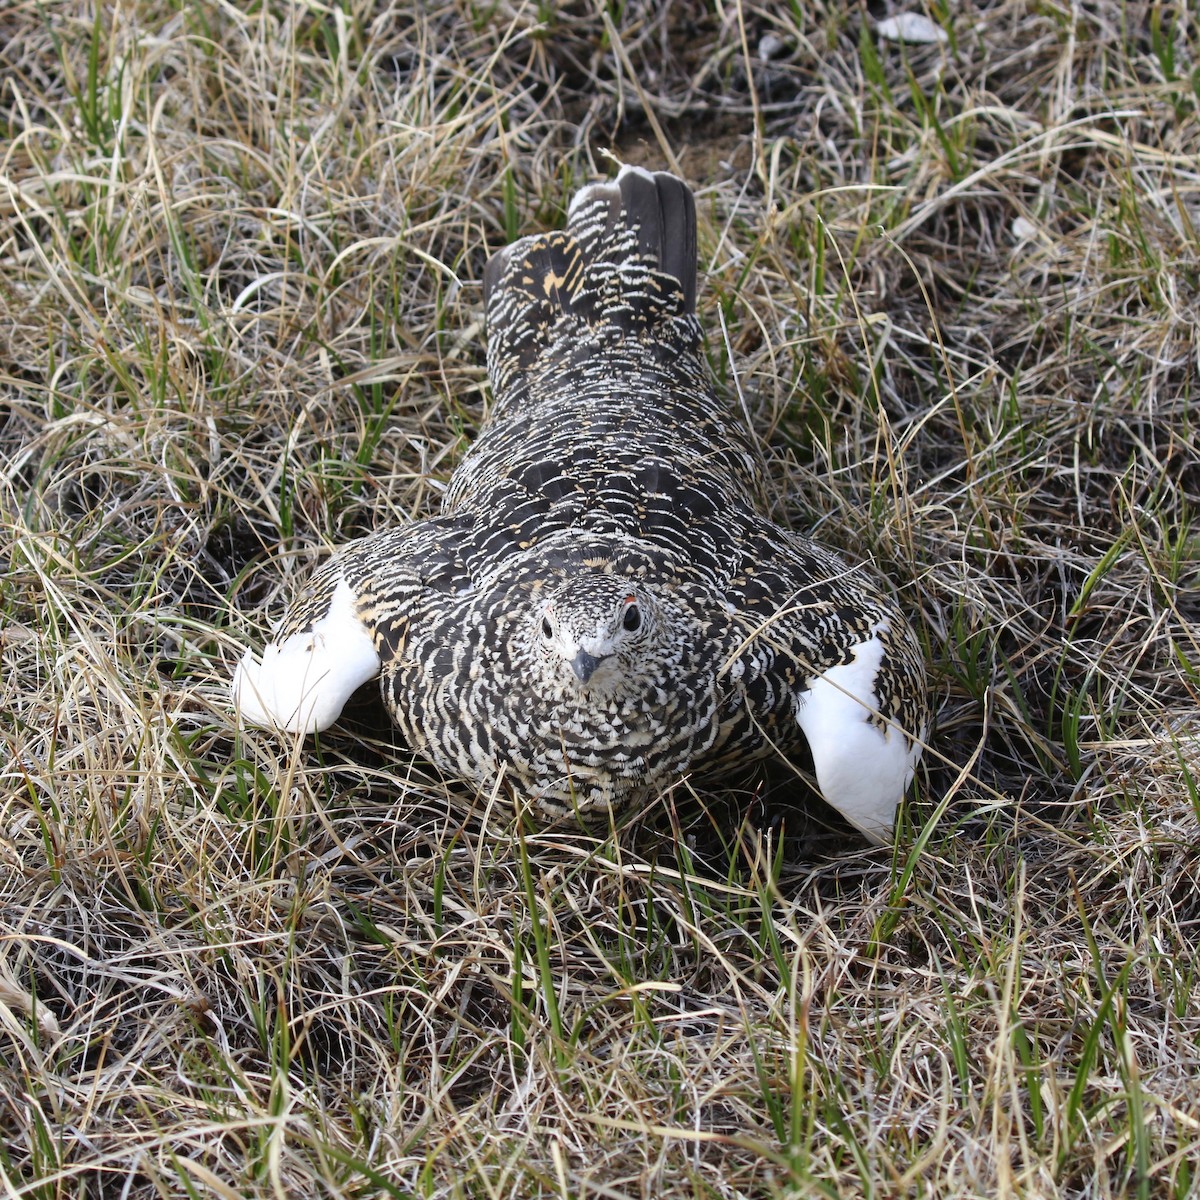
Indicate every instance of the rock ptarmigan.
{"type": "Point", "coordinates": [599, 606]}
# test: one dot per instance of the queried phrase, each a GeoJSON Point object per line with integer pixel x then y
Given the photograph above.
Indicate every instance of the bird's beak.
{"type": "Point", "coordinates": [583, 664]}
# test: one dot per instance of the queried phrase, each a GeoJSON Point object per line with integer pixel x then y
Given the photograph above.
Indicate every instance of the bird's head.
{"type": "Point", "coordinates": [596, 631]}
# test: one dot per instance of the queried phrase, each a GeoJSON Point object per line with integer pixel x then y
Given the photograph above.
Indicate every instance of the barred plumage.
{"type": "Point", "coordinates": [599, 606]}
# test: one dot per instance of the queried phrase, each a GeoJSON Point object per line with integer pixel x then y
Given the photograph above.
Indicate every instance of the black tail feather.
{"type": "Point", "coordinates": [663, 210]}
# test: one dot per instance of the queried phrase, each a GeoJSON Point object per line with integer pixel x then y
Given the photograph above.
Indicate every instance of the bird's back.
{"type": "Point", "coordinates": [604, 418]}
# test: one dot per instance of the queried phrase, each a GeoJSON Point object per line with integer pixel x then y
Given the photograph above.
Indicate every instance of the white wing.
{"type": "Point", "coordinates": [862, 770]}
{"type": "Point", "coordinates": [303, 682]}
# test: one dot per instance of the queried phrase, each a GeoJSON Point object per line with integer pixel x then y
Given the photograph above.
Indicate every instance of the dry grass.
{"type": "Point", "coordinates": [239, 265]}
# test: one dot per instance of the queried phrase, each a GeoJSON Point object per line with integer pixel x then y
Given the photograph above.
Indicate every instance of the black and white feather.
{"type": "Point", "coordinates": [599, 607]}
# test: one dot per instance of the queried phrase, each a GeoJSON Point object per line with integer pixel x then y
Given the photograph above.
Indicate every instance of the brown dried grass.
{"type": "Point", "coordinates": [239, 265]}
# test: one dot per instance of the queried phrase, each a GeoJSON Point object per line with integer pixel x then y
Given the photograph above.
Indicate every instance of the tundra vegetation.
{"type": "Point", "coordinates": [950, 268]}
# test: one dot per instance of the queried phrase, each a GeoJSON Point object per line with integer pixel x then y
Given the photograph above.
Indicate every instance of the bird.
{"type": "Point", "coordinates": [600, 607]}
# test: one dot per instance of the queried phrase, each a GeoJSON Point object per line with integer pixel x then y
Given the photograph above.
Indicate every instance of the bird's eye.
{"type": "Point", "coordinates": [632, 620]}
{"type": "Point", "coordinates": [547, 628]}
